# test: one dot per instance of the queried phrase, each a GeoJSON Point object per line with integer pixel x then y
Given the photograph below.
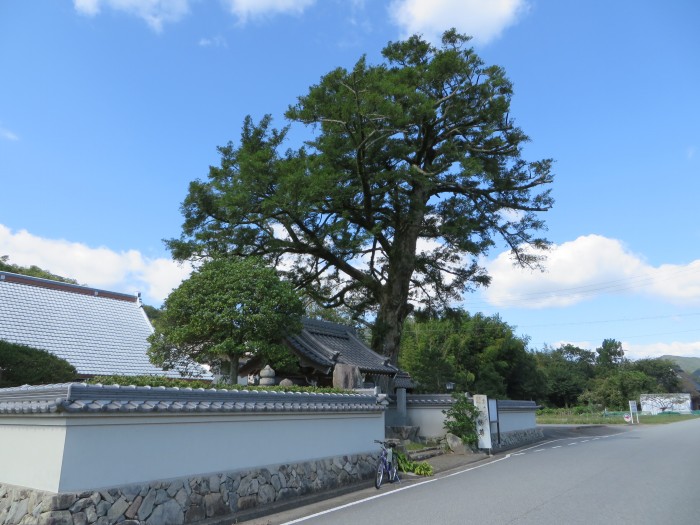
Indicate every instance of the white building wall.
{"type": "Point", "coordinates": [31, 451]}
{"type": "Point", "coordinates": [431, 421]}
{"type": "Point", "coordinates": [511, 421]}
{"type": "Point", "coordinates": [72, 453]}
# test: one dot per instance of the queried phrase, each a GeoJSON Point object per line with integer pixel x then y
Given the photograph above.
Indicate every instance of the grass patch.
{"type": "Point", "coordinates": [412, 446]}
{"type": "Point", "coordinates": [574, 416]}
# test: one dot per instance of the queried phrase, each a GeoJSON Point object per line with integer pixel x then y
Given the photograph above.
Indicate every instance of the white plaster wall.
{"type": "Point", "coordinates": [510, 421]}
{"type": "Point", "coordinates": [431, 421]}
{"type": "Point", "coordinates": [31, 451]}
{"type": "Point", "coordinates": [106, 451]}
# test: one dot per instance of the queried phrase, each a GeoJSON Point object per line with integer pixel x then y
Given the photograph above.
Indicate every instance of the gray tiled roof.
{"type": "Point", "coordinates": [98, 332]}
{"type": "Point", "coordinates": [426, 400]}
{"type": "Point", "coordinates": [81, 398]}
{"type": "Point", "coordinates": [509, 404]}
{"type": "Point", "coordinates": [324, 344]}
{"type": "Point", "coordinates": [403, 380]}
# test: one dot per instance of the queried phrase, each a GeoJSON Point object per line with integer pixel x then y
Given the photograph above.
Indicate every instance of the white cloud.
{"type": "Point", "coordinates": [155, 13]}
{"type": "Point", "coordinates": [690, 152]}
{"type": "Point", "coordinates": [126, 272]}
{"type": "Point", "coordinates": [484, 20]}
{"type": "Point", "coordinates": [215, 41]}
{"type": "Point", "coordinates": [7, 134]}
{"type": "Point", "coordinates": [642, 351]}
{"type": "Point", "coordinates": [246, 9]}
{"type": "Point", "coordinates": [588, 267]}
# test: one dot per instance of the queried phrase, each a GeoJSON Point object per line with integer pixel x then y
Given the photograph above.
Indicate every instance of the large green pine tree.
{"type": "Point", "coordinates": [413, 172]}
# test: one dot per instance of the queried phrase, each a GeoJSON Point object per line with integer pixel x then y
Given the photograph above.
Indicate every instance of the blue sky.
{"type": "Point", "coordinates": [109, 108]}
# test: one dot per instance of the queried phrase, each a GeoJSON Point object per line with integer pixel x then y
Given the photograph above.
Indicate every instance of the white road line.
{"type": "Point", "coordinates": [383, 494]}
{"type": "Point", "coordinates": [539, 450]}
{"type": "Point", "coordinates": [574, 443]}
{"type": "Point", "coordinates": [558, 446]}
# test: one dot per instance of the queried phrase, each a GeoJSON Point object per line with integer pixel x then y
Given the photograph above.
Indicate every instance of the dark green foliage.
{"type": "Point", "coordinates": [396, 197]}
{"type": "Point", "coordinates": [23, 365]}
{"type": "Point", "coordinates": [477, 353]}
{"type": "Point", "coordinates": [663, 371]}
{"type": "Point", "coordinates": [614, 390]}
{"type": "Point", "coordinates": [404, 464]}
{"type": "Point", "coordinates": [610, 355]}
{"type": "Point", "coordinates": [461, 419]}
{"type": "Point", "coordinates": [567, 371]}
{"type": "Point", "coordinates": [152, 313]}
{"type": "Point", "coordinates": [32, 271]}
{"type": "Point", "coordinates": [227, 309]}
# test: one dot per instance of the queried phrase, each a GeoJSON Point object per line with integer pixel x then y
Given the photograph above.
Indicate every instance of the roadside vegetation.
{"type": "Point", "coordinates": [462, 352]}
{"type": "Point", "coordinates": [584, 416]}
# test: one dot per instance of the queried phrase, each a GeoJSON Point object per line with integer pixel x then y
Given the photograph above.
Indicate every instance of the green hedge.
{"type": "Point", "coordinates": [24, 365]}
{"type": "Point", "coordinates": [155, 381]}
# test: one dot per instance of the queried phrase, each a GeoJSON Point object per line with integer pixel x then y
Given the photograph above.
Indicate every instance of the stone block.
{"type": "Point", "coordinates": [102, 508]}
{"type": "Point", "coordinates": [56, 517]}
{"type": "Point", "coordinates": [133, 508]}
{"type": "Point", "coordinates": [147, 505]}
{"type": "Point", "coordinates": [17, 511]}
{"type": "Point", "coordinates": [247, 502]}
{"type": "Point", "coordinates": [182, 498]}
{"type": "Point", "coordinates": [455, 444]}
{"type": "Point", "coordinates": [161, 496]}
{"type": "Point", "coordinates": [214, 483]}
{"type": "Point", "coordinates": [266, 494]}
{"type": "Point", "coordinates": [117, 509]}
{"type": "Point", "coordinates": [195, 514]}
{"type": "Point", "coordinates": [214, 505]}
{"type": "Point", "coordinates": [169, 512]}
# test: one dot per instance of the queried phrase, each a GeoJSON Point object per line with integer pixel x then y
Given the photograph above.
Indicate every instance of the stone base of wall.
{"type": "Point", "coordinates": [516, 438]}
{"type": "Point", "coordinates": [186, 500]}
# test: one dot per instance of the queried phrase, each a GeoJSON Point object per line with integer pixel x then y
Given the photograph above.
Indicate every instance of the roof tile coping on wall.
{"type": "Point", "coordinates": [516, 405]}
{"type": "Point", "coordinates": [416, 400]}
{"type": "Point", "coordinates": [82, 398]}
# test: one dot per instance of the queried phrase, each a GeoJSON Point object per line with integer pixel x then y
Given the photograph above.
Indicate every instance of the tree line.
{"type": "Point", "coordinates": [476, 353]}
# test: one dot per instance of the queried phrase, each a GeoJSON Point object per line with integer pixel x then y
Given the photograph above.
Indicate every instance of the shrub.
{"type": "Point", "coordinates": [461, 419]}
{"type": "Point", "coordinates": [24, 365]}
{"type": "Point", "coordinates": [155, 381]}
{"type": "Point", "coordinates": [404, 464]}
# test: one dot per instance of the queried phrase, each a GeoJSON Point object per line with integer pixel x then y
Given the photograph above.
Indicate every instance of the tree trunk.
{"type": "Point", "coordinates": [233, 369]}
{"type": "Point", "coordinates": [393, 303]}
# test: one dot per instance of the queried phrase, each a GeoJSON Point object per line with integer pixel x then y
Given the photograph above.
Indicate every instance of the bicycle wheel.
{"type": "Point", "coordinates": [380, 474]}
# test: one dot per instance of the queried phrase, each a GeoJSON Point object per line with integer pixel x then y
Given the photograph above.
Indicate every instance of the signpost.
{"type": "Point", "coordinates": [483, 422]}
{"type": "Point", "coordinates": [633, 411]}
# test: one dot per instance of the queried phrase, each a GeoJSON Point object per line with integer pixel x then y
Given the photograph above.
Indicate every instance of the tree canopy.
{"type": "Point", "coordinates": [414, 171]}
{"type": "Point", "coordinates": [32, 271]}
{"type": "Point", "coordinates": [226, 309]}
{"type": "Point", "coordinates": [477, 353]}
{"type": "Point", "coordinates": [24, 365]}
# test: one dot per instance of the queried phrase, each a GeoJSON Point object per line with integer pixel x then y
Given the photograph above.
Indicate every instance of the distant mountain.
{"type": "Point", "coordinates": [689, 364]}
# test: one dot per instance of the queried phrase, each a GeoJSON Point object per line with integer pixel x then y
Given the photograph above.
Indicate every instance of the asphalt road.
{"type": "Point", "coordinates": [606, 475]}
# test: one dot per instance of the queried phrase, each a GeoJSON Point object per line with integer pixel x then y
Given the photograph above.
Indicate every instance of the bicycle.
{"type": "Point", "coordinates": [385, 464]}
